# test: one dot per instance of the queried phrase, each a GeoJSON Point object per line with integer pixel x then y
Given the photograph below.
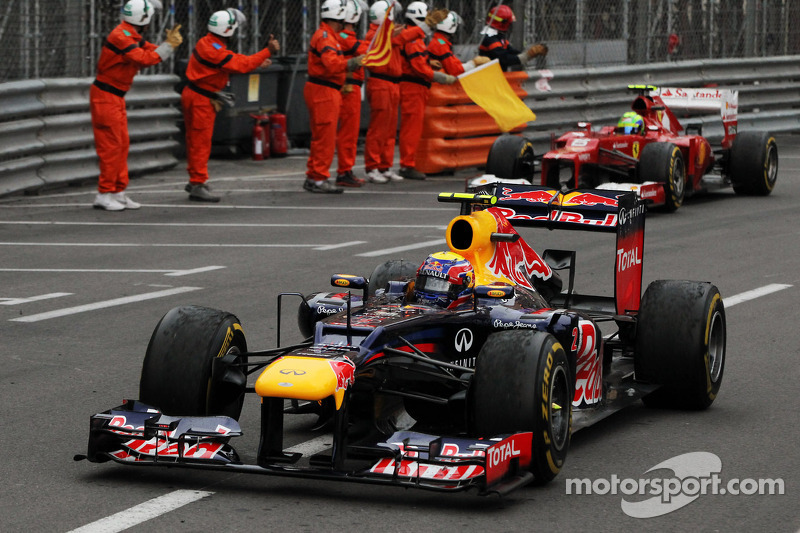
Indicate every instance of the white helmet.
{"type": "Point", "coordinates": [225, 22]}
{"type": "Point", "coordinates": [139, 12]}
{"type": "Point", "coordinates": [333, 10]}
{"type": "Point", "coordinates": [416, 13]}
{"type": "Point", "coordinates": [450, 23]}
{"type": "Point", "coordinates": [353, 11]}
{"type": "Point", "coordinates": [378, 11]}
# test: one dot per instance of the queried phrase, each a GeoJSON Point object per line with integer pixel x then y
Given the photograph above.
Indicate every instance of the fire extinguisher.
{"type": "Point", "coordinates": [260, 137]}
{"type": "Point", "coordinates": [279, 140]}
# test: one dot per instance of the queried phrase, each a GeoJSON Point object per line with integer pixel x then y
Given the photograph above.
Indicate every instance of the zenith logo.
{"type": "Point", "coordinates": [463, 340]}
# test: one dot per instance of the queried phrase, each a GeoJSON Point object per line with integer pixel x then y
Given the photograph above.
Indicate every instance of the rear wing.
{"type": "Point", "coordinates": [607, 211]}
{"type": "Point", "coordinates": [704, 100]}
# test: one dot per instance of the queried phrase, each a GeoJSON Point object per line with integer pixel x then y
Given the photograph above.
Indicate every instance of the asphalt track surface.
{"type": "Point", "coordinates": [82, 289]}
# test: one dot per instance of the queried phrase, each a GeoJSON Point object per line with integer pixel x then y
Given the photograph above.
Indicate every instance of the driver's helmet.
{"type": "Point", "coordinates": [630, 123]}
{"type": "Point", "coordinates": [444, 279]}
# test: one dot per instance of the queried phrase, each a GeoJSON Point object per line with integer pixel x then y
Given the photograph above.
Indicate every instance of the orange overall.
{"type": "Point", "coordinates": [441, 49]}
{"type": "Point", "coordinates": [383, 94]}
{"type": "Point", "coordinates": [350, 115]}
{"type": "Point", "coordinates": [322, 92]}
{"type": "Point", "coordinates": [207, 73]}
{"type": "Point", "coordinates": [124, 53]}
{"type": "Point", "coordinates": [414, 90]}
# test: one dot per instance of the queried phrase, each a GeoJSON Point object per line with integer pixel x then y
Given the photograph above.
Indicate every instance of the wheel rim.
{"type": "Point", "coordinates": [716, 347]}
{"type": "Point", "coordinates": [772, 166]}
{"type": "Point", "coordinates": [559, 407]}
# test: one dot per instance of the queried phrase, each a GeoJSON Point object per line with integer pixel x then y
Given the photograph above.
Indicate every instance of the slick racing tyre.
{"type": "Point", "coordinates": [177, 372]}
{"type": "Point", "coordinates": [753, 163]}
{"type": "Point", "coordinates": [523, 382]}
{"type": "Point", "coordinates": [511, 157]}
{"type": "Point", "coordinates": [680, 343]}
{"type": "Point", "coordinates": [663, 163]}
{"type": "Point", "coordinates": [392, 270]}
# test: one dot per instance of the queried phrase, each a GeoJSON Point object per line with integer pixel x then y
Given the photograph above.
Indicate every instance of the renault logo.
{"type": "Point", "coordinates": [463, 340]}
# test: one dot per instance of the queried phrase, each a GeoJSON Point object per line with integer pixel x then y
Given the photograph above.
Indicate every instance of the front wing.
{"type": "Point", "coordinates": [137, 434]}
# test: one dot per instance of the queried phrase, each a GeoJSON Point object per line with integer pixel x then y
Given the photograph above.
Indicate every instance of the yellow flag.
{"type": "Point", "coordinates": [488, 87]}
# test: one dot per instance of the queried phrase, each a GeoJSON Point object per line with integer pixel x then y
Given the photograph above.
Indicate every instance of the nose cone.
{"type": "Point", "coordinates": [306, 378]}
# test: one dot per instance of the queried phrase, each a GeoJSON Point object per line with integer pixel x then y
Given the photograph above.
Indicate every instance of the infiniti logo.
{"type": "Point", "coordinates": [463, 340]}
{"type": "Point", "coordinates": [291, 371]}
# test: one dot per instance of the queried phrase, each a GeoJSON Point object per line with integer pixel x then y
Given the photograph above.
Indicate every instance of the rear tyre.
{"type": "Point", "coordinates": [522, 382]}
{"type": "Point", "coordinates": [680, 343]}
{"type": "Point", "coordinates": [663, 163]}
{"type": "Point", "coordinates": [177, 370]}
{"type": "Point", "coordinates": [754, 163]}
{"type": "Point", "coordinates": [511, 157]}
{"type": "Point", "coordinates": [392, 270]}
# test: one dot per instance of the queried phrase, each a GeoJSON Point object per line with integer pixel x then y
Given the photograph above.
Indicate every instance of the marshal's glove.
{"type": "Point", "coordinates": [445, 79]}
{"type": "Point", "coordinates": [225, 98]}
{"type": "Point", "coordinates": [536, 50]}
{"type": "Point", "coordinates": [435, 17]}
{"type": "Point", "coordinates": [174, 37]}
{"type": "Point", "coordinates": [480, 60]}
{"type": "Point", "coordinates": [354, 63]}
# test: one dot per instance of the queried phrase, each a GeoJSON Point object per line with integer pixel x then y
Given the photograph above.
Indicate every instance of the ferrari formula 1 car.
{"type": "Point", "coordinates": [652, 155]}
{"type": "Point", "coordinates": [482, 393]}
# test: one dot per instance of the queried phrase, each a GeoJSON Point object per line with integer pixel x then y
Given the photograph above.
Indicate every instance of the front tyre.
{"type": "Point", "coordinates": [680, 343]}
{"type": "Point", "coordinates": [663, 163]}
{"type": "Point", "coordinates": [753, 163]}
{"type": "Point", "coordinates": [177, 370]}
{"type": "Point", "coordinates": [522, 382]}
{"type": "Point", "coordinates": [391, 270]}
{"type": "Point", "coordinates": [511, 157]}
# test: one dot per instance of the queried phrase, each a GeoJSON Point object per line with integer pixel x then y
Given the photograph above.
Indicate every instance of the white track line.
{"type": "Point", "coordinates": [143, 512]}
{"type": "Point", "coordinates": [387, 251]}
{"type": "Point", "coordinates": [171, 272]}
{"type": "Point", "coordinates": [102, 305]}
{"type": "Point", "coordinates": [753, 294]}
{"type": "Point", "coordinates": [17, 301]}
{"type": "Point", "coordinates": [217, 225]}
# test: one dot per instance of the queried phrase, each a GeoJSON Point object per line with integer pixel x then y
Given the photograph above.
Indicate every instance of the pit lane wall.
{"type": "Point", "coordinates": [457, 134]}
{"type": "Point", "coordinates": [46, 131]}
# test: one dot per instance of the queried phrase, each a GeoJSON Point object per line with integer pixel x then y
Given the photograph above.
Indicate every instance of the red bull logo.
{"type": "Point", "coordinates": [516, 261]}
{"type": "Point", "coordinates": [537, 196]}
{"type": "Point", "coordinates": [588, 199]}
{"type": "Point", "coordinates": [345, 373]}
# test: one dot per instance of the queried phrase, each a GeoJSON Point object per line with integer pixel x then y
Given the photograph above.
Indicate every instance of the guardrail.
{"type": "Point", "coordinates": [769, 99]}
{"type": "Point", "coordinates": [46, 131]}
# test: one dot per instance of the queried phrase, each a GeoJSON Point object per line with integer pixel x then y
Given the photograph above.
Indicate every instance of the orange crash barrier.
{"type": "Point", "coordinates": [457, 133]}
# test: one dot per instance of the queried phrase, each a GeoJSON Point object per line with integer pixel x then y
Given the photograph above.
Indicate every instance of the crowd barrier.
{"type": "Point", "coordinates": [46, 131]}
{"type": "Point", "coordinates": [457, 134]}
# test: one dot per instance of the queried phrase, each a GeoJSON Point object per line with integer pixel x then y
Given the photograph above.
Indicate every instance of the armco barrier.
{"type": "Point", "coordinates": [459, 135]}
{"type": "Point", "coordinates": [46, 131]}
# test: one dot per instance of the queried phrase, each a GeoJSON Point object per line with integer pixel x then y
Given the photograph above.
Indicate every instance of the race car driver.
{"type": "Point", "coordinates": [350, 115]}
{"type": "Point", "coordinates": [327, 70]}
{"type": "Point", "coordinates": [207, 74]}
{"type": "Point", "coordinates": [444, 279]}
{"type": "Point", "coordinates": [415, 82]}
{"type": "Point", "coordinates": [631, 123]}
{"type": "Point", "coordinates": [495, 43]}
{"type": "Point", "coordinates": [124, 53]}
{"type": "Point", "coordinates": [441, 47]}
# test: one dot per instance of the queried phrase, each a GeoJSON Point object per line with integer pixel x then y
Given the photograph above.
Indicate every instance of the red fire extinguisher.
{"type": "Point", "coordinates": [279, 140]}
{"type": "Point", "coordinates": [260, 137]}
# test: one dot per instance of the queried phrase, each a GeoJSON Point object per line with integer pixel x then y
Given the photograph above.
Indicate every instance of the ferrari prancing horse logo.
{"type": "Point", "coordinates": [635, 149]}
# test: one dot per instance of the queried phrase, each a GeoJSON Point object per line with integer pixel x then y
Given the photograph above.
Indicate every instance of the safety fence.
{"type": "Point", "coordinates": [457, 134]}
{"type": "Point", "coordinates": [46, 131]}
{"type": "Point", "coordinates": [63, 38]}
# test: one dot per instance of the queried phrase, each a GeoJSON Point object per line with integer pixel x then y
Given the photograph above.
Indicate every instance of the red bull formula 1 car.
{"type": "Point", "coordinates": [656, 158]}
{"type": "Point", "coordinates": [484, 393]}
